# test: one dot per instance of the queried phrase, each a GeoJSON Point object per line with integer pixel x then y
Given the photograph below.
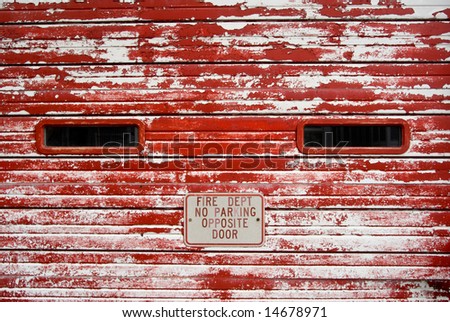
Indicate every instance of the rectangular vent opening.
{"type": "Point", "coordinates": [91, 136]}
{"type": "Point", "coordinates": [352, 136]}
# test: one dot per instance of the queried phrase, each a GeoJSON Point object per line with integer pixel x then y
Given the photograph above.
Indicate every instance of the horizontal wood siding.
{"type": "Point", "coordinates": [220, 88]}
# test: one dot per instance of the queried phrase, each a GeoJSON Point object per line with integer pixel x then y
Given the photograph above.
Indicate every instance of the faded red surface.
{"type": "Point", "coordinates": [220, 91]}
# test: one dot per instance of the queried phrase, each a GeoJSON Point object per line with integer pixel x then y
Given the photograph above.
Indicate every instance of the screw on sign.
{"type": "Point", "coordinates": [224, 219]}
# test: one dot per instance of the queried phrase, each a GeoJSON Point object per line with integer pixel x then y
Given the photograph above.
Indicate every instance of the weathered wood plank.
{"type": "Point", "coordinates": [62, 80]}
{"type": "Point", "coordinates": [173, 54]}
{"type": "Point", "coordinates": [229, 295]}
{"type": "Point", "coordinates": [326, 94]}
{"type": "Point", "coordinates": [280, 189]}
{"type": "Point", "coordinates": [111, 4]}
{"type": "Point", "coordinates": [247, 176]}
{"type": "Point", "coordinates": [221, 81]}
{"type": "Point", "coordinates": [226, 258]}
{"type": "Point", "coordinates": [210, 10]}
{"type": "Point", "coordinates": [429, 288]}
{"type": "Point", "coordinates": [214, 283]}
{"type": "Point", "coordinates": [129, 72]}
{"type": "Point", "coordinates": [264, 272]}
{"type": "Point", "coordinates": [225, 42]}
{"type": "Point", "coordinates": [423, 244]}
{"type": "Point", "coordinates": [167, 201]}
{"type": "Point", "coordinates": [209, 32]}
{"type": "Point", "coordinates": [277, 218]}
{"type": "Point", "coordinates": [336, 94]}
{"type": "Point", "coordinates": [317, 164]}
{"type": "Point", "coordinates": [53, 108]}
{"type": "Point", "coordinates": [270, 231]}
{"type": "Point", "coordinates": [19, 136]}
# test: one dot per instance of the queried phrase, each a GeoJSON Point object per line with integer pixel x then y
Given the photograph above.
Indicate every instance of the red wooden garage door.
{"type": "Point", "coordinates": [221, 97]}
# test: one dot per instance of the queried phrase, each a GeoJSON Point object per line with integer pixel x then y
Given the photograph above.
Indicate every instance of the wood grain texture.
{"type": "Point", "coordinates": [226, 42]}
{"type": "Point", "coordinates": [243, 88]}
{"type": "Point", "coordinates": [220, 87]}
{"type": "Point", "coordinates": [128, 11]}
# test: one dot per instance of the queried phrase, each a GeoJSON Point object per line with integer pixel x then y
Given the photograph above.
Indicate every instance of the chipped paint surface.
{"type": "Point", "coordinates": [5, 3]}
{"type": "Point", "coordinates": [230, 42]}
{"type": "Point", "coordinates": [221, 87]}
{"type": "Point", "coordinates": [131, 10]}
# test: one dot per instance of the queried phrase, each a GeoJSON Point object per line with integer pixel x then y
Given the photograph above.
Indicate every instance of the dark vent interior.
{"type": "Point", "coordinates": [352, 136]}
{"type": "Point", "coordinates": [91, 136]}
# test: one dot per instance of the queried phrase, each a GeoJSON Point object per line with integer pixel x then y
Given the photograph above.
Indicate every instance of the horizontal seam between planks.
{"type": "Point", "coordinates": [381, 62]}
{"type": "Point", "coordinates": [68, 21]}
{"type": "Point", "coordinates": [210, 250]}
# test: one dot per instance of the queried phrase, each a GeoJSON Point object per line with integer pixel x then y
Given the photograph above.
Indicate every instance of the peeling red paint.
{"type": "Point", "coordinates": [220, 91]}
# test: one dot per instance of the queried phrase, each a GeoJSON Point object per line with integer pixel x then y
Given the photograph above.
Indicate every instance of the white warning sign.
{"type": "Point", "coordinates": [215, 219]}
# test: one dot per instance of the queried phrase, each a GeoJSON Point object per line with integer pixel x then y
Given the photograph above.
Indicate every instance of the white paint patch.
{"type": "Point", "coordinates": [261, 3]}
{"type": "Point", "coordinates": [391, 111]}
{"type": "Point", "coordinates": [159, 160]}
{"type": "Point", "coordinates": [435, 111]}
{"type": "Point", "coordinates": [430, 10]}
{"type": "Point", "coordinates": [441, 15]}
{"type": "Point", "coordinates": [12, 88]}
{"type": "Point", "coordinates": [21, 112]}
{"type": "Point", "coordinates": [249, 17]}
{"type": "Point", "coordinates": [162, 41]}
{"type": "Point", "coordinates": [63, 113]}
{"type": "Point", "coordinates": [426, 171]}
{"type": "Point", "coordinates": [232, 25]}
{"type": "Point", "coordinates": [117, 51]}
{"type": "Point", "coordinates": [122, 34]}
{"type": "Point", "coordinates": [422, 86]}
{"type": "Point", "coordinates": [427, 93]}
{"type": "Point", "coordinates": [52, 11]}
{"type": "Point", "coordinates": [444, 46]}
{"type": "Point", "coordinates": [30, 93]}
